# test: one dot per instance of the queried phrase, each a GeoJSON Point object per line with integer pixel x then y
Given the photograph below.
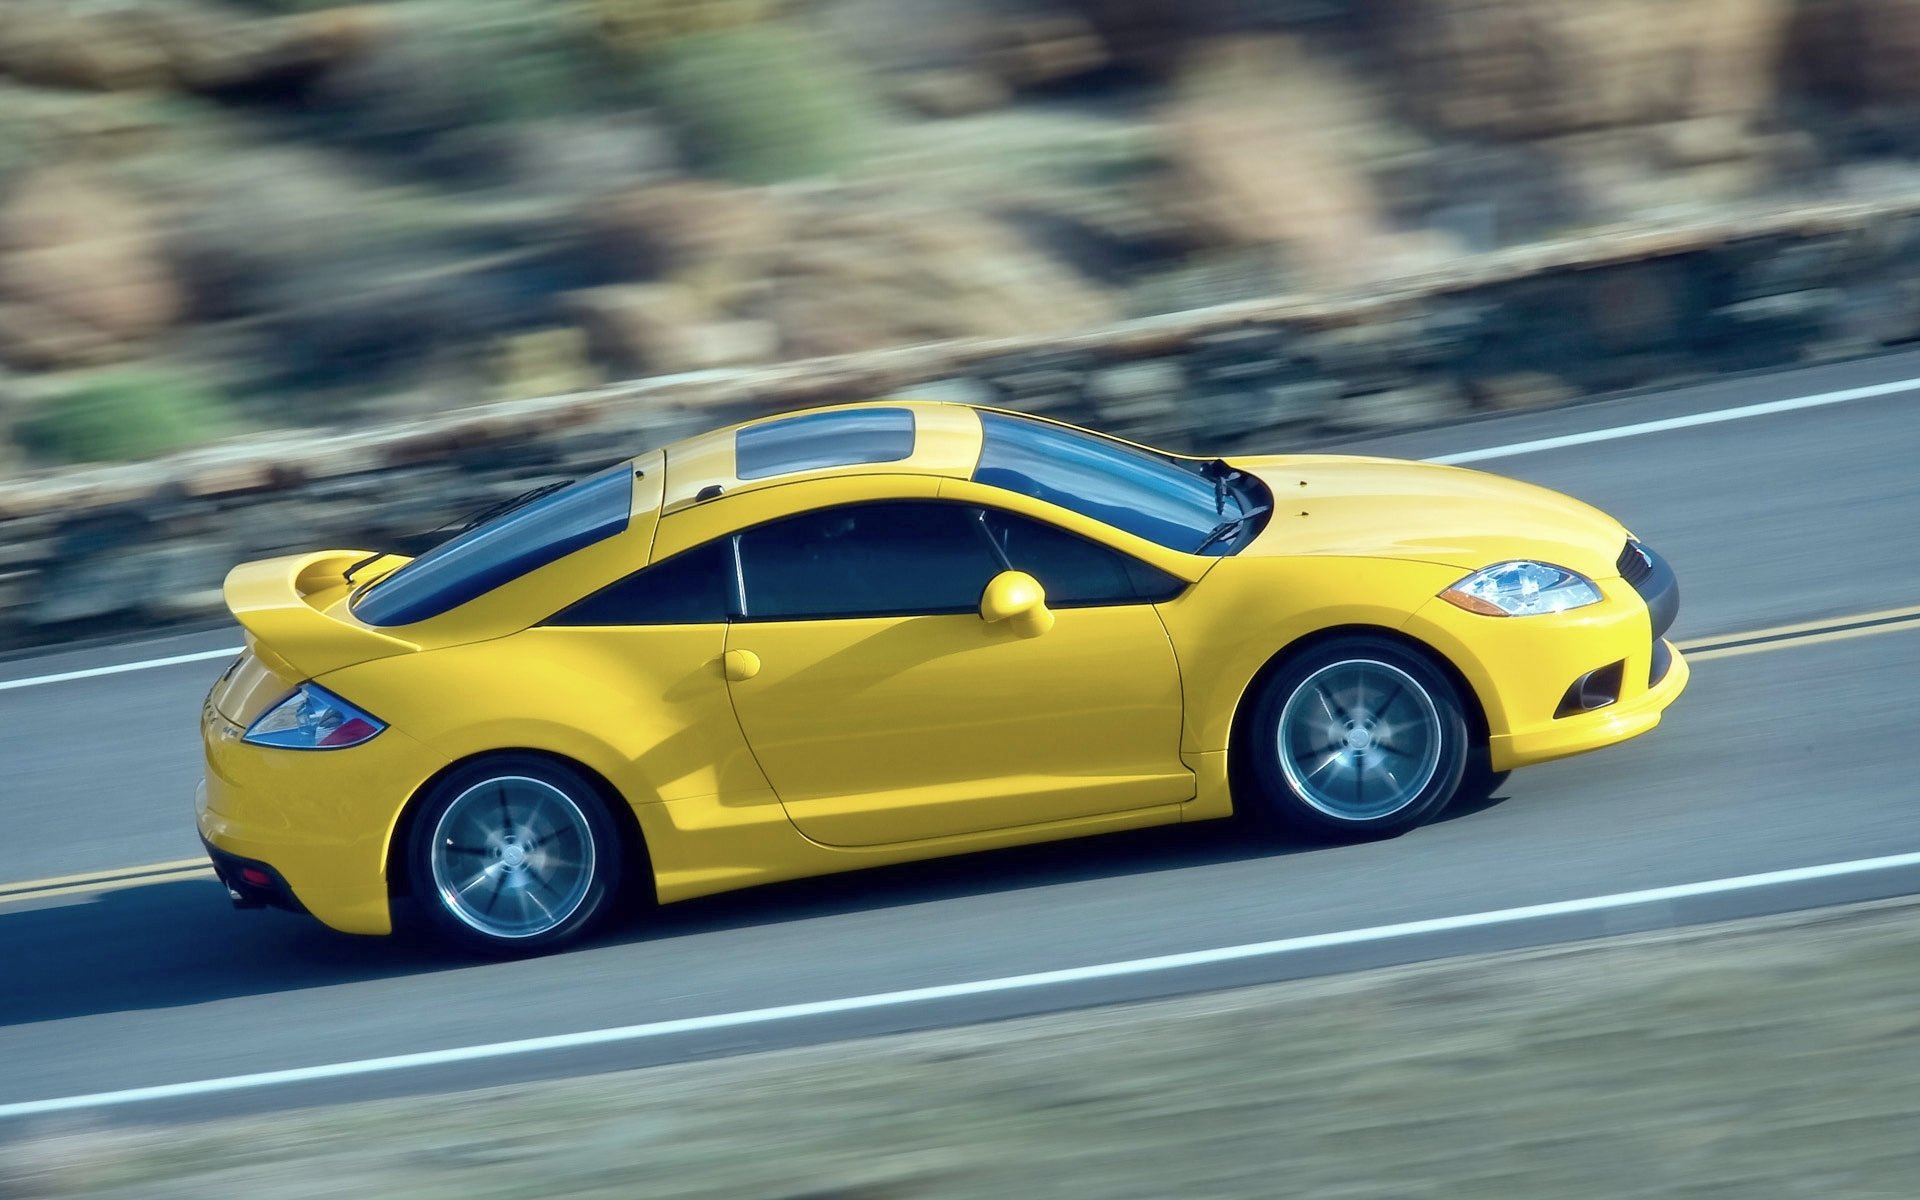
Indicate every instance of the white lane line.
{"type": "Point", "coordinates": [951, 991]}
{"type": "Point", "coordinates": [1669, 423]}
{"type": "Point", "coordinates": [7, 685]}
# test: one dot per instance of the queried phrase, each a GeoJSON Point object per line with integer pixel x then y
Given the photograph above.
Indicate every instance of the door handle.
{"type": "Point", "coordinates": [741, 665]}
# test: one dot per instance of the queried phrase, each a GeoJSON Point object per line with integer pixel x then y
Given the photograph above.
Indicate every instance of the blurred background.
{"type": "Point", "coordinates": [327, 260]}
{"type": "Point", "coordinates": [227, 216]}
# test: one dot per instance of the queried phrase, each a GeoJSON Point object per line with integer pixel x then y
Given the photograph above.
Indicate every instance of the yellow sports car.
{"type": "Point", "coordinates": [883, 632]}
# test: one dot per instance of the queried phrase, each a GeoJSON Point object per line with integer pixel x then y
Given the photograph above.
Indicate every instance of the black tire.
{"type": "Point", "coordinates": [1333, 740]}
{"type": "Point", "coordinates": [559, 882]}
{"type": "Point", "coordinates": [1481, 782]}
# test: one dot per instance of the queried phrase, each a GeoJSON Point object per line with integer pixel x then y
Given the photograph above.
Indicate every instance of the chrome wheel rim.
{"type": "Point", "coordinates": [1359, 740]}
{"type": "Point", "coordinates": [513, 857]}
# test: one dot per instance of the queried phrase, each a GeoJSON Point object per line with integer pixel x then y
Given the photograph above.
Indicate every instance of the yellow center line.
{"type": "Point", "coordinates": [34, 885]}
{"type": "Point", "coordinates": [100, 887]}
{"type": "Point", "coordinates": [1885, 614]}
{"type": "Point", "coordinates": [1731, 645]}
{"type": "Point", "coordinates": [1816, 637]}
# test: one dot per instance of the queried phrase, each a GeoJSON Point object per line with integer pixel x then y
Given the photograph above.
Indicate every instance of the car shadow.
{"type": "Point", "coordinates": [173, 944]}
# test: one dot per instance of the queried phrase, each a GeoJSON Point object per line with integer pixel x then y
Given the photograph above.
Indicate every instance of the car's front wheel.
{"type": "Point", "coordinates": [1358, 737]}
{"type": "Point", "coordinates": [513, 855]}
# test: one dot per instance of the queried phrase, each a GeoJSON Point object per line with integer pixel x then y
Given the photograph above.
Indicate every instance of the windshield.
{"type": "Point", "coordinates": [1163, 499]}
{"type": "Point", "coordinates": [503, 549]}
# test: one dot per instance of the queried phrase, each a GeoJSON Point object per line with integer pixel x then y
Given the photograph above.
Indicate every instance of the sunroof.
{"type": "Point", "coordinates": [844, 438]}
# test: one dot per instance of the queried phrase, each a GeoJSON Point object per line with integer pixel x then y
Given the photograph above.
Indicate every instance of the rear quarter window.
{"type": "Point", "coordinates": [478, 561]}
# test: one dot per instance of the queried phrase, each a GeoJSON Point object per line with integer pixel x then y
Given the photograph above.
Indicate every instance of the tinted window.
{"type": "Point", "coordinates": [867, 560]}
{"type": "Point", "coordinates": [1143, 493]}
{"type": "Point", "coordinates": [691, 588]}
{"type": "Point", "coordinates": [829, 439]}
{"type": "Point", "coordinates": [481, 559]}
{"type": "Point", "coordinates": [1075, 571]}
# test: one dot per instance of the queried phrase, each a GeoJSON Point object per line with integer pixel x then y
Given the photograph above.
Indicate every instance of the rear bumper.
{"type": "Point", "coordinates": [249, 883]}
{"type": "Point", "coordinates": [319, 822]}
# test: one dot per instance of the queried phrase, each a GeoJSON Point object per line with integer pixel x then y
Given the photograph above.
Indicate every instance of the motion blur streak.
{"type": "Point", "coordinates": [1041, 979]}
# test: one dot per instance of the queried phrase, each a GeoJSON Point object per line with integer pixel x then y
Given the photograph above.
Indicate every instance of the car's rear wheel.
{"type": "Point", "coordinates": [1358, 737]}
{"type": "Point", "coordinates": [513, 855]}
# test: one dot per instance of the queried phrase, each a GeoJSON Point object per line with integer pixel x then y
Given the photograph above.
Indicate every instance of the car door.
{"type": "Point", "coordinates": [644, 655]}
{"type": "Point", "coordinates": [883, 709]}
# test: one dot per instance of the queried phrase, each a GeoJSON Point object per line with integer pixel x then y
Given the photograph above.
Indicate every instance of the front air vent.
{"type": "Point", "coordinates": [1594, 690]}
{"type": "Point", "coordinates": [1634, 564]}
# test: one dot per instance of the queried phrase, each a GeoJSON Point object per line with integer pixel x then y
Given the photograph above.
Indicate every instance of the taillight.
{"type": "Point", "coordinates": [313, 718]}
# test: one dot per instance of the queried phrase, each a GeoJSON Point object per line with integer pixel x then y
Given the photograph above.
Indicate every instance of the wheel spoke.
{"type": "Point", "coordinates": [565, 831]}
{"type": "Point", "coordinates": [1388, 702]}
{"type": "Point", "coordinates": [535, 901]}
{"type": "Point", "coordinates": [1333, 710]}
{"type": "Point", "coordinates": [485, 874]}
{"type": "Point", "coordinates": [1326, 762]}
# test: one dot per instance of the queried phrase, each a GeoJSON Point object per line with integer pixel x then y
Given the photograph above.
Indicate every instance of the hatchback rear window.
{"type": "Point", "coordinates": [505, 548]}
{"type": "Point", "coordinates": [843, 438]}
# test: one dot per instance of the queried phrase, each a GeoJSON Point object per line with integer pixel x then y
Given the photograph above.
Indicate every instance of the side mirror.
{"type": "Point", "coordinates": [1018, 599]}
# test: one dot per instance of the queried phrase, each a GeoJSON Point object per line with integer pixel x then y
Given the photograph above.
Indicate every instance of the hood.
{"type": "Point", "coordinates": [1391, 508]}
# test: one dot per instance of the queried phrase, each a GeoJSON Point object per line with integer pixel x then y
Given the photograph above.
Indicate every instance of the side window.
{"type": "Point", "coordinates": [691, 588]}
{"type": "Point", "coordinates": [891, 559]}
{"type": "Point", "coordinates": [1075, 571]}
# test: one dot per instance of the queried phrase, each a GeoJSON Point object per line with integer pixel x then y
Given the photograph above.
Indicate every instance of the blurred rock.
{"type": "Point", "coordinates": [1520, 390]}
{"type": "Point", "coordinates": [950, 92]}
{"type": "Point", "coordinates": [656, 329]}
{"type": "Point", "coordinates": [1540, 68]}
{"type": "Point", "coordinates": [63, 45]}
{"type": "Point", "coordinates": [1254, 123]}
{"type": "Point", "coordinates": [82, 276]}
{"type": "Point", "coordinates": [140, 44]}
{"type": "Point", "coordinates": [1857, 52]}
{"type": "Point", "coordinates": [1422, 404]}
{"type": "Point", "coordinates": [1044, 50]}
{"type": "Point", "coordinates": [864, 271]}
{"type": "Point", "coordinates": [672, 229]}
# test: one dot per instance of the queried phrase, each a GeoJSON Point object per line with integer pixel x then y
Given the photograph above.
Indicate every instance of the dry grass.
{"type": "Point", "coordinates": [1776, 1058]}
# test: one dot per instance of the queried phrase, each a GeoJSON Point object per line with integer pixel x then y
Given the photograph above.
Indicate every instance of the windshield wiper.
{"type": "Point", "coordinates": [1228, 528]}
{"type": "Point", "coordinates": [469, 523]}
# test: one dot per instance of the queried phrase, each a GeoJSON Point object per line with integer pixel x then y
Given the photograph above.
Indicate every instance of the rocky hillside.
{"type": "Point", "coordinates": [222, 216]}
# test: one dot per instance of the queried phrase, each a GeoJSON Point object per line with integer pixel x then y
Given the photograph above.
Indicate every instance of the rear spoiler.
{"type": "Point", "coordinates": [296, 615]}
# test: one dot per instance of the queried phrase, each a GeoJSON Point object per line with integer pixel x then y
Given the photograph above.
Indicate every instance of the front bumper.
{"type": "Point", "coordinates": [1520, 668]}
{"type": "Point", "coordinates": [1592, 731]}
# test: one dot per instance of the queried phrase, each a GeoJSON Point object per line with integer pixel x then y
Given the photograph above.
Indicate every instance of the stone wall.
{"type": "Point", "coordinates": [142, 545]}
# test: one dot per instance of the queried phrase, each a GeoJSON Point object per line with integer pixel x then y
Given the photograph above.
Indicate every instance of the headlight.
{"type": "Point", "coordinates": [1522, 589]}
{"type": "Point", "coordinates": [313, 718]}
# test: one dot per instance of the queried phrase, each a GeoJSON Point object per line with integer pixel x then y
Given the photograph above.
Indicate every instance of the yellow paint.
{"type": "Point", "coordinates": [765, 750]}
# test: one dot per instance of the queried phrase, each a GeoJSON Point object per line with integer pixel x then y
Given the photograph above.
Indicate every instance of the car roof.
{"type": "Point", "coordinates": [906, 437]}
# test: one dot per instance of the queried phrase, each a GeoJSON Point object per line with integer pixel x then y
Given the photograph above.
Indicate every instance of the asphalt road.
{"type": "Point", "coordinates": [1796, 756]}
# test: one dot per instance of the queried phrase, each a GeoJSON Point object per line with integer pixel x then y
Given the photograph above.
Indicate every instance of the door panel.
{"type": "Point", "coordinates": [891, 729]}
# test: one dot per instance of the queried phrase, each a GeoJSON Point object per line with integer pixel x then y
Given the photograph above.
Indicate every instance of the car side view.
{"type": "Point", "coordinates": [884, 632]}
